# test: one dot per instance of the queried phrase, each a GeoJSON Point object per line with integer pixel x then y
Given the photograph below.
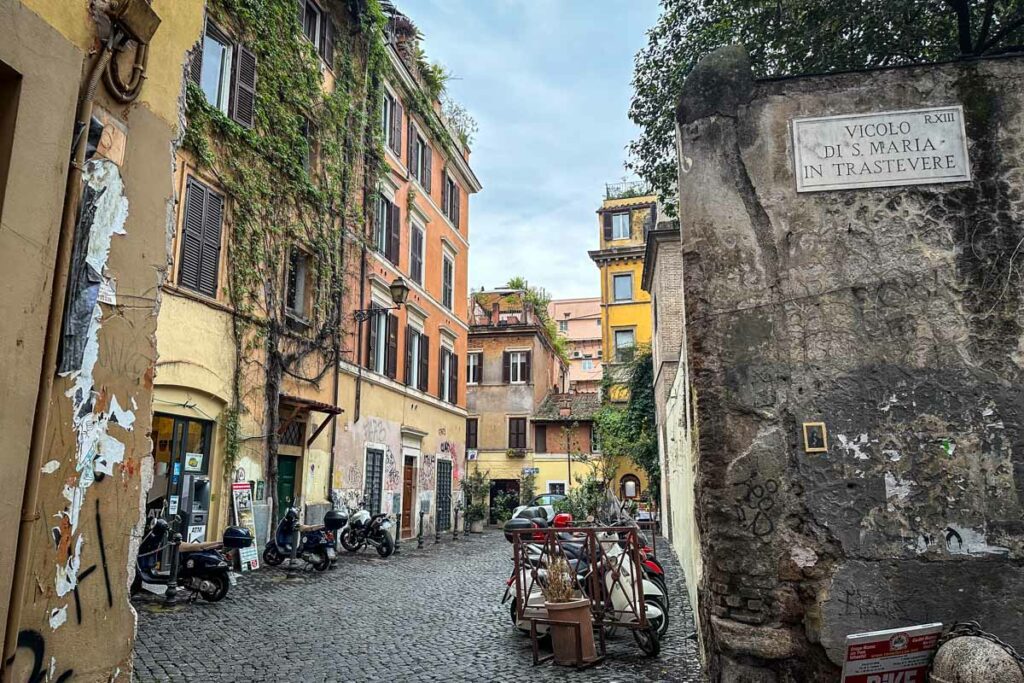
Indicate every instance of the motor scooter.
{"type": "Point", "coordinates": [202, 567]}
{"type": "Point", "coordinates": [315, 541]}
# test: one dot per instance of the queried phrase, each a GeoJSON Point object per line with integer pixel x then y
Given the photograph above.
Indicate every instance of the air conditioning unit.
{"type": "Point", "coordinates": [576, 354]}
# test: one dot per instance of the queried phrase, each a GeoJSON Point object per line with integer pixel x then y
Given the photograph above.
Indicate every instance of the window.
{"type": "Point", "coordinates": [386, 237]}
{"type": "Point", "coordinates": [540, 438]}
{"type": "Point", "coordinates": [588, 364]}
{"type": "Point", "coordinates": [450, 194]}
{"type": "Point", "coordinates": [622, 287]}
{"type": "Point", "coordinates": [391, 122]}
{"type": "Point", "coordinates": [318, 29]}
{"type": "Point", "coordinates": [226, 73]}
{"type": "Point", "coordinates": [420, 158]}
{"type": "Point", "coordinates": [473, 368]}
{"type": "Point", "coordinates": [629, 487]}
{"type": "Point", "coordinates": [448, 282]}
{"type": "Point", "coordinates": [620, 226]}
{"type": "Point", "coordinates": [298, 279]}
{"type": "Point", "coordinates": [471, 432]}
{"type": "Point", "coordinates": [417, 358]}
{"type": "Point", "coordinates": [516, 368]}
{"type": "Point", "coordinates": [595, 440]}
{"type": "Point", "coordinates": [624, 343]}
{"type": "Point", "coordinates": [556, 487]}
{"type": "Point", "coordinates": [563, 325]}
{"type": "Point", "coordinates": [416, 253]}
{"type": "Point", "coordinates": [200, 239]}
{"type": "Point", "coordinates": [517, 432]}
{"type": "Point", "coordinates": [448, 382]}
{"type": "Point", "coordinates": [382, 343]}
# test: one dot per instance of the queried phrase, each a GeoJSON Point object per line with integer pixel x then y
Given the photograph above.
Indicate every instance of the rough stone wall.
{"type": "Point", "coordinates": [895, 317]}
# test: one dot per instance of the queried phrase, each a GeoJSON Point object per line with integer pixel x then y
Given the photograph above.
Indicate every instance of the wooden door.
{"type": "Point", "coordinates": [286, 466]}
{"type": "Point", "coordinates": [408, 496]}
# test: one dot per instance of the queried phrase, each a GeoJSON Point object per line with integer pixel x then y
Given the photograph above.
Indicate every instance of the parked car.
{"type": "Point", "coordinates": [544, 500]}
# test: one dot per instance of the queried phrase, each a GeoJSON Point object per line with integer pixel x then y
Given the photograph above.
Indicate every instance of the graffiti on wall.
{"type": "Point", "coordinates": [427, 467]}
{"type": "Point", "coordinates": [754, 503]}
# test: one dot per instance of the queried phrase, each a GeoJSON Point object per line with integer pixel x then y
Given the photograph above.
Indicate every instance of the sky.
{"type": "Point", "coordinates": [548, 82]}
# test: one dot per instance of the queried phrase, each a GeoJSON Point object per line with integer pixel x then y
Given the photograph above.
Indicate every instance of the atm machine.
{"type": "Point", "coordinates": [195, 507]}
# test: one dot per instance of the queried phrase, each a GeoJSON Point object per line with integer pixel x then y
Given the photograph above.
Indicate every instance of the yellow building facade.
{"type": "Point", "coordinates": [624, 219]}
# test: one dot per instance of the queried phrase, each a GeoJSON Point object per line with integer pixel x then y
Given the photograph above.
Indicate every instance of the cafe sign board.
{"type": "Point", "coordinates": [899, 655]}
{"type": "Point", "coordinates": [885, 149]}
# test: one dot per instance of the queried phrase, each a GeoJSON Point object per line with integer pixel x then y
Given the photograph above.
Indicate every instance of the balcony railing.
{"type": "Point", "coordinates": [626, 189]}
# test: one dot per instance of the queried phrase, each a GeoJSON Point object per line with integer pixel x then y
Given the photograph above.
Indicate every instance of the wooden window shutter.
{"type": "Point", "coordinates": [396, 127]}
{"type": "Point", "coordinates": [424, 362]}
{"type": "Point", "coordinates": [195, 66]}
{"type": "Point", "coordinates": [394, 233]}
{"type": "Point", "coordinates": [243, 95]}
{"type": "Point", "coordinates": [453, 379]}
{"type": "Point", "coordinates": [192, 235]}
{"type": "Point", "coordinates": [527, 372]}
{"type": "Point", "coordinates": [607, 218]}
{"type": "Point", "coordinates": [209, 269]}
{"type": "Point", "coordinates": [506, 367]}
{"type": "Point", "coordinates": [440, 372]}
{"type": "Point", "coordinates": [411, 144]}
{"type": "Point", "coordinates": [327, 39]}
{"type": "Point", "coordinates": [371, 340]}
{"type": "Point", "coordinates": [410, 339]}
{"type": "Point", "coordinates": [427, 173]}
{"type": "Point", "coordinates": [455, 199]}
{"type": "Point", "coordinates": [391, 358]}
{"type": "Point", "coordinates": [445, 208]}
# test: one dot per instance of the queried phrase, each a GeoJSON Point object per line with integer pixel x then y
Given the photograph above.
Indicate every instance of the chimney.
{"type": "Point", "coordinates": [564, 407]}
{"type": "Point", "coordinates": [528, 312]}
{"type": "Point", "coordinates": [495, 313]}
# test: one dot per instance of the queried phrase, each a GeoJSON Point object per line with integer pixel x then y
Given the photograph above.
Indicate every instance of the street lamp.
{"type": "Point", "coordinates": [399, 293]}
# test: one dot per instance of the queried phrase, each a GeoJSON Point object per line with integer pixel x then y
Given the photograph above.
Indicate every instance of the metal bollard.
{"type": "Point", "coordinates": [419, 536]}
{"type": "Point", "coordinates": [172, 579]}
{"type": "Point", "coordinates": [398, 532]}
{"type": "Point", "coordinates": [437, 531]}
{"type": "Point", "coordinates": [455, 527]}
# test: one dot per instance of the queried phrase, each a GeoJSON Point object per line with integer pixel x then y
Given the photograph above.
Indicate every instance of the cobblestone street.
{"type": "Point", "coordinates": [427, 615]}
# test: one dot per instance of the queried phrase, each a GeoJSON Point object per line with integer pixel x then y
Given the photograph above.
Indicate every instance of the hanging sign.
{"type": "Point", "coordinates": [899, 655]}
{"type": "Point", "coordinates": [884, 149]}
{"type": "Point", "coordinates": [241, 495]}
{"type": "Point", "coordinates": [196, 533]}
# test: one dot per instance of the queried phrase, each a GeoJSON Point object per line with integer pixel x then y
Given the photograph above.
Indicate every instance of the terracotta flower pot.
{"type": "Point", "coordinates": [563, 638]}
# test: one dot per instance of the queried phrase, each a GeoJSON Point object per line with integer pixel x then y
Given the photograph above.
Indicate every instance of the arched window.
{"type": "Point", "coordinates": [629, 487]}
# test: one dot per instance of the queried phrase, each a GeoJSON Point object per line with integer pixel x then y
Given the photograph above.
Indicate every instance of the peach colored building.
{"type": "Point", "coordinates": [579, 320]}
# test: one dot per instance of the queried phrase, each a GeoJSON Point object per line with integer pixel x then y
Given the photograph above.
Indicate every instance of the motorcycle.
{"type": "Point", "coordinates": [315, 541]}
{"type": "Point", "coordinates": [203, 568]}
{"type": "Point", "coordinates": [364, 529]}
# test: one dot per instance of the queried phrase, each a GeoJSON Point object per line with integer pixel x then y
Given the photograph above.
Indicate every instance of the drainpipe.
{"type": "Point", "coordinates": [359, 334]}
{"type": "Point", "coordinates": [51, 345]}
{"type": "Point", "coordinates": [337, 382]}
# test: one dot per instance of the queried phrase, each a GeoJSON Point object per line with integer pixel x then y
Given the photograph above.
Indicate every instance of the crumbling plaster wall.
{"type": "Point", "coordinates": [894, 316]}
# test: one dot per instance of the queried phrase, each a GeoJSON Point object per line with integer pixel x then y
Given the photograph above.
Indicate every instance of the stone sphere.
{"type": "Point", "coordinates": [970, 659]}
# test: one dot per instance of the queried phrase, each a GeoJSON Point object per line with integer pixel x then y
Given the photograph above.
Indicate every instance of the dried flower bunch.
{"type": "Point", "coordinates": [560, 586]}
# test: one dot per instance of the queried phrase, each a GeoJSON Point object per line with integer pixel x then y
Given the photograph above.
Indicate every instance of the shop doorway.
{"type": "Point", "coordinates": [181, 482]}
{"type": "Point", "coordinates": [408, 496]}
{"type": "Point", "coordinates": [504, 493]}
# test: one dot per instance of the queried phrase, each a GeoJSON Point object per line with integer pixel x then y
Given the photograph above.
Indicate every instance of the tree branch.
{"type": "Point", "coordinates": [986, 22]}
{"type": "Point", "coordinates": [962, 10]}
{"type": "Point", "coordinates": [1014, 24]}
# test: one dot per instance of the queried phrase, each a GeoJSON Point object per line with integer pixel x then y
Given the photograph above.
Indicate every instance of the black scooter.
{"type": "Point", "coordinates": [316, 541]}
{"type": "Point", "coordinates": [201, 567]}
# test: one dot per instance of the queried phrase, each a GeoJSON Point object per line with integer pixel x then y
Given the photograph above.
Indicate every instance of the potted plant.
{"type": "Point", "coordinates": [564, 605]}
{"type": "Point", "coordinates": [476, 486]}
{"type": "Point", "coordinates": [476, 513]}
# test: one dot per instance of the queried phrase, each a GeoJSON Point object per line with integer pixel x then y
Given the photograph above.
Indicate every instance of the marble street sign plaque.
{"type": "Point", "coordinates": [885, 149]}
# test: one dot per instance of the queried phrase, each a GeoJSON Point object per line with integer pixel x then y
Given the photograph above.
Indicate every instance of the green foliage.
{"type": "Point", "coordinates": [630, 431]}
{"type": "Point", "coordinates": [527, 488]}
{"type": "Point", "coordinates": [476, 486]}
{"type": "Point", "coordinates": [476, 512]}
{"type": "Point", "coordinates": [798, 37]}
{"type": "Point", "coordinates": [503, 504]}
{"type": "Point", "coordinates": [586, 498]}
{"type": "Point", "coordinates": [540, 298]}
{"type": "Point", "coordinates": [460, 119]}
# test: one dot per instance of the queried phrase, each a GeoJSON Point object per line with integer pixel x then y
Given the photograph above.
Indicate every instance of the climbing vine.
{"type": "Point", "coordinates": [302, 178]}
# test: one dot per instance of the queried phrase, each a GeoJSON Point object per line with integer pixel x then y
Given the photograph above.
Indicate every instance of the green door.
{"type": "Point", "coordinates": [286, 465]}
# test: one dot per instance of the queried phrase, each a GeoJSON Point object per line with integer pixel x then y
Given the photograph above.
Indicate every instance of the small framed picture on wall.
{"type": "Point", "coordinates": [815, 437]}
